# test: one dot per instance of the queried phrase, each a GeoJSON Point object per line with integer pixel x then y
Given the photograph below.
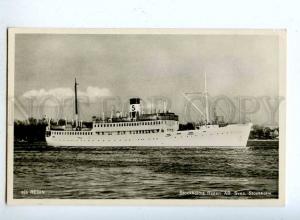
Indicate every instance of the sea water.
{"type": "Point", "coordinates": [42, 172]}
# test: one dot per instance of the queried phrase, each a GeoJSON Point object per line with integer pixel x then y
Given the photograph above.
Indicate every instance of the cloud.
{"type": "Point", "coordinates": [92, 93]}
{"type": "Point", "coordinates": [35, 93]}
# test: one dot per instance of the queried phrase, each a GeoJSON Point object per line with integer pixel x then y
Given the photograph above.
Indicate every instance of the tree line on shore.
{"type": "Point", "coordinates": [264, 132]}
{"type": "Point", "coordinates": [30, 130]}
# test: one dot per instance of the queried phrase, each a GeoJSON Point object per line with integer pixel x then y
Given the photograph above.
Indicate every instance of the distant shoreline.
{"type": "Point", "coordinates": [274, 140]}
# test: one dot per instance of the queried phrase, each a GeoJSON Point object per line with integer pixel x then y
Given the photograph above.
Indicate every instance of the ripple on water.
{"type": "Point", "coordinates": [153, 173]}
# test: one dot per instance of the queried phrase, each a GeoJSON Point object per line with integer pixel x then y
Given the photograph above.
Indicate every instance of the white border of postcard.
{"type": "Point", "coordinates": [157, 202]}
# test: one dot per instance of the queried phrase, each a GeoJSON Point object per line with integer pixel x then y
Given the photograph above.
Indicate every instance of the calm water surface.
{"type": "Point", "coordinates": [146, 173]}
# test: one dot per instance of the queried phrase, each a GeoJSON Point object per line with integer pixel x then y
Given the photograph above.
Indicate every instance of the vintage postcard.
{"type": "Point", "coordinates": [146, 117]}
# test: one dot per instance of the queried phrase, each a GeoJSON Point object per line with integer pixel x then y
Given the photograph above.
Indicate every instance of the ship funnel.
{"type": "Point", "coordinates": [135, 108]}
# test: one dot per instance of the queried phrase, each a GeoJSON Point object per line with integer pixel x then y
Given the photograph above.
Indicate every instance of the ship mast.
{"type": "Point", "coordinates": [76, 103]}
{"type": "Point", "coordinates": [206, 99]}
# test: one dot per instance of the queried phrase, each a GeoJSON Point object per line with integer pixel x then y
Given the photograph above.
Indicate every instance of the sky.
{"type": "Point", "coordinates": [144, 66]}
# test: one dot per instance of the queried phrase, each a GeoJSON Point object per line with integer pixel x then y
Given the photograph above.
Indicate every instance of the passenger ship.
{"type": "Point", "coordinates": [138, 129]}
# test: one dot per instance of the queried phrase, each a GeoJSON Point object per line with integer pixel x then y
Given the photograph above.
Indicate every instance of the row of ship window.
{"type": "Point", "coordinates": [130, 124]}
{"type": "Point", "coordinates": [131, 132]}
{"type": "Point", "coordinates": [108, 133]}
{"type": "Point", "coordinates": [120, 132]}
{"type": "Point", "coordinates": [71, 133]}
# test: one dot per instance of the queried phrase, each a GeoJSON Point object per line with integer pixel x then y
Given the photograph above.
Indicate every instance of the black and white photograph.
{"type": "Point", "coordinates": [150, 116]}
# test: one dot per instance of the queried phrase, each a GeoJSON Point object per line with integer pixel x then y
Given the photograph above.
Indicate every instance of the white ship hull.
{"type": "Point", "coordinates": [234, 135]}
